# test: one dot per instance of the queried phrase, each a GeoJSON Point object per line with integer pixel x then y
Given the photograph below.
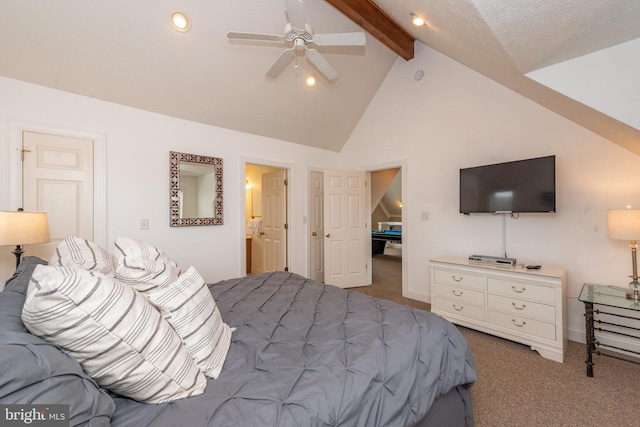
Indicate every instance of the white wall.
{"type": "Point", "coordinates": [137, 168]}
{"type": "Point", "coordinates": [454, 118]}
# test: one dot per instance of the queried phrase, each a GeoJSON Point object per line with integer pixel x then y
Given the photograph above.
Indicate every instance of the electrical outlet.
{"type": "Point", "coordinates": [424, 216]}
{"type": "Point", "coordinates": [144, 224]}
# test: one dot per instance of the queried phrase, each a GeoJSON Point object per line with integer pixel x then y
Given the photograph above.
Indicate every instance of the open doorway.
{"type": "Point", "coordinates": [386, 230]}
{"type": "Point", "coordinates": [266, 219]}
{"type": "Point", "coordinates": [385, 188]}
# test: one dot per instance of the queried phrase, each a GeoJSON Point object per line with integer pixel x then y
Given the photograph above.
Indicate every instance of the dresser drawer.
{"type": "Point", "coordinates": [522, 290]}
{"type": "Point", "coordinates": [522, 324]}
{"type": "Point", "coordinates": [460, 279]}
{"type": "Point", "coordinates": [459, 308]}
{"type": "Point", "coordinates": [461, 294]}
{"type": "Point", "coordinates": [518, 307]}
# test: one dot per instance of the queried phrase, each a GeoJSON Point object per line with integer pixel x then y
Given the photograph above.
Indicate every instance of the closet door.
{"type": "Point", "coordinates": [316, 227]}
{"type": "Point", "coordinates": [347, 237]}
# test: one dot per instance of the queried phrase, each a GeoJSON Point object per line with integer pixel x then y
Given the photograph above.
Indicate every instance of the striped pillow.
{"type": "Point", "coordinates": [115, 334]}
{"type": "Point", "coordinates": [143, 266]}
{"type": "Point", "coordinates": [189, 307]}
{"type": "Point", "coordinates": [76, 252]}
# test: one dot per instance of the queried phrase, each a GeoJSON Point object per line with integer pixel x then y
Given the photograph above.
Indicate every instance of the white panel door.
{"type": "Point", "coordinates": [274, 221]}
{"type": "Point", "coordinates": [345, 228]}
{"type": "Point", "coordinates": [316, 227]}
{"type": "Point", "coordinates": [58, 179]}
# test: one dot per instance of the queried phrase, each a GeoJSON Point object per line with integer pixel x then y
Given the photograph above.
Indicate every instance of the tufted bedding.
{"type": "Point", "coordinates": [308, 354]}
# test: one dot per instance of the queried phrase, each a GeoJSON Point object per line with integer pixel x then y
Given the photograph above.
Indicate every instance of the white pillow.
{"type": "Point", "coordinates": [116, 335]}
{"type": "Point", "coordinates": [188, 306]}
{"type": "Point", "coordinates": [76, 252]}
{"type": "Point", "coordinates": [143, 266]}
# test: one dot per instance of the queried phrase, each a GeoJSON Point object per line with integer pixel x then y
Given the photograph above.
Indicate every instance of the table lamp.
{"type": "Point", "coordinates": [23, 228]}
{"type": "Point", "coordinates": [624, 224]}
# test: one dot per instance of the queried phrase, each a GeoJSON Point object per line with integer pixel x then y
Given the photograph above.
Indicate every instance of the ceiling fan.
{"type": "Point", "coordinates": [299, 35]}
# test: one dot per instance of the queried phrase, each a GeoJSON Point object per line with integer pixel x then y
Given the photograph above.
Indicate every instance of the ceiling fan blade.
{"type": "Point", "coordinates": [281, 63]}
{"type": "Point", "coordinates": [254, 36]}
{"type": "Point", "coordinates": [295, 11]}
{"type": "Point", "coordinates": [322, 64]}
{"type": "Point", "coordinates": [340, 39]}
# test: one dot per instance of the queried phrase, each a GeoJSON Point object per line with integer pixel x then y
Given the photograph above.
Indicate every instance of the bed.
{"type": "Point", "coordinates": [302, 354]}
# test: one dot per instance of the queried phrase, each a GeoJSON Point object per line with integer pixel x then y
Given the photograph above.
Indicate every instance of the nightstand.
{"type": "Point", "coordinates": [613, 297]}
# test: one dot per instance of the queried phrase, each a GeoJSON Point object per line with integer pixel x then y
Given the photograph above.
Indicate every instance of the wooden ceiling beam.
{"type": "Point", "coordinates": [376, 22]}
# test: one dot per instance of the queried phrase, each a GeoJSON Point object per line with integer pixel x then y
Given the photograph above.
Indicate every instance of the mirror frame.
{"type": "Point", "coordinates": [174, 187]}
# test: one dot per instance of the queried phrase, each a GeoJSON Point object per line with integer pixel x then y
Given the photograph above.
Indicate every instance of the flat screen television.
{"type": "Point", "coordinates": [512, 187]}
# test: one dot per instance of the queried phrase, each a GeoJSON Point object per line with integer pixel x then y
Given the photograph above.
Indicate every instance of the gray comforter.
{"type": "Point", "coordinates": [308, 354]}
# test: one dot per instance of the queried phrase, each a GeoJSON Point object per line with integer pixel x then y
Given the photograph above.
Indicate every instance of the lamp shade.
{"type": "Point", "coordinates": [624, 224]}
{"type": "Point", "coordinates": [23, 228]}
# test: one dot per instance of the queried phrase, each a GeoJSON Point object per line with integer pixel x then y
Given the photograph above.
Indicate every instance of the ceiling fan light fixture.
{"type": "Point", "coordinates": [180, 21]}
{"type": "Point", "coordinates": [297, 37]}
{"type": "Point", "coordinates": [311, 80]}
{"type": "Point", "coordinates": [418, 21]}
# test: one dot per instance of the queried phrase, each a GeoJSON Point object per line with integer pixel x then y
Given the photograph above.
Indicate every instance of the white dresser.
{"type": "Point", "coordinates": [526, 306]}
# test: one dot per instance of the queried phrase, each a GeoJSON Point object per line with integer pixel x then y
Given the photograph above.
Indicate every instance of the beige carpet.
{"type": "Point", "coordinates": [518, 387]}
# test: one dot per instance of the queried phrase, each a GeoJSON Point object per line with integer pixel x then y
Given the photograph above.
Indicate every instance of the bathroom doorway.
{"type": "Point", "coordinates": [266, 218]}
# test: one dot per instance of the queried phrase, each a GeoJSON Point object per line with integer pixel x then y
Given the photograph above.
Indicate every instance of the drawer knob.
{"type": "Point", "coordinates": [455, 307]}
{"type": "Point", "coordinates": [457, 293]}
{"type": "Point", "coordinates": [520, 325]}
{"type": "Point", "coordinates": [522, 307]}
{"type": "Point", "coordinates": [518, 290]}
{"type": "Point", "coordinates": [457, 279]}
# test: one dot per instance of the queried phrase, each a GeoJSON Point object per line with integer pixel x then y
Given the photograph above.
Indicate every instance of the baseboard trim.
{"type": "Point", "coordinates": [417, 296]}
{"type": "Point", "coordinates": [579, 335]}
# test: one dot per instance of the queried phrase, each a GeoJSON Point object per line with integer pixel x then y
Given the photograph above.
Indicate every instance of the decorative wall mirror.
{"type": "Point", "coordinates": [195, 192]}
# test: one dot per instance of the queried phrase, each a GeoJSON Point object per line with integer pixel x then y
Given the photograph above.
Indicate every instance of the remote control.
{"type": "Point", "coordinates": [533, 267]}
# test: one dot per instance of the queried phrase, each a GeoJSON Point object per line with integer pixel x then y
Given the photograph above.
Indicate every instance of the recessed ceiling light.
{"type": "Point", "coordinates": [180, 21]}
{"type": "Point", "coordinates": [418, 21]}
{"type": "Point", "coordinates": [311, 80]}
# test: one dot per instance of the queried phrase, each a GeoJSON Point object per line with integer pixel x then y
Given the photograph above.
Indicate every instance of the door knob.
{"type": "Point", "coordinates": [328, 235]}
{"type": "Point", "coordinates": [314, 233]}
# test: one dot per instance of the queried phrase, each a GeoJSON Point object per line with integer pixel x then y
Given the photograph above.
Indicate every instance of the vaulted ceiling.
{"type": "Point", "coordinates": [128, 53]}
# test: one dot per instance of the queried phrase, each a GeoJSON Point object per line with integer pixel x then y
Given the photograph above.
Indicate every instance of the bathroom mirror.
{"type": "Point", "coordinates": [195, 192]}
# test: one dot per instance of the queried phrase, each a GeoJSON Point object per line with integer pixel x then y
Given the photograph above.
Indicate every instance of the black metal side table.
{"type": "Point", "coordinates": [607, 296]}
